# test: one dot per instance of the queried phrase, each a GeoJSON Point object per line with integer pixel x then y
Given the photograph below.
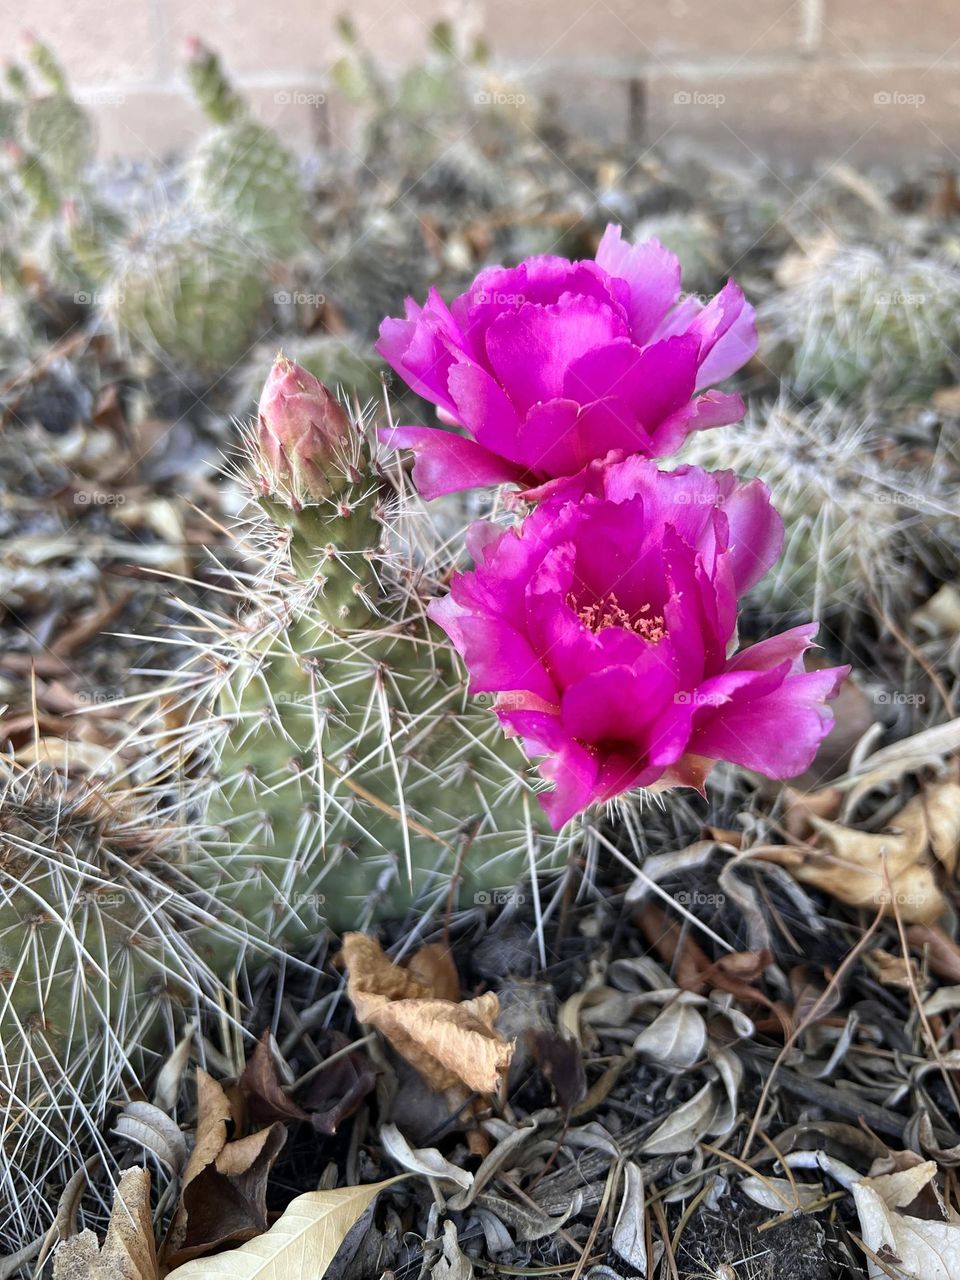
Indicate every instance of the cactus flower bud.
{"type": "Point", "coordinates": [302, 436]}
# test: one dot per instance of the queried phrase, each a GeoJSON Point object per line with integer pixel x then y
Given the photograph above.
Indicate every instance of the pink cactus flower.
{"type": "Point", "coordinates": [604, 626]}
{"type": "Point", "coordinates": [552, 364]}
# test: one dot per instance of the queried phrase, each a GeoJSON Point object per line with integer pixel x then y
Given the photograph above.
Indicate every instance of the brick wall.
{"type": "Point", "coordinates": [845, 79]}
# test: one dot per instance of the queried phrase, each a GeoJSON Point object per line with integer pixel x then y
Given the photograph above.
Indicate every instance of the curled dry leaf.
{"type": "Point", "coordinates": [128, 1251]}
{"type": "Point", "coordinates": [896, 868]}
{"type": "Point", "coordinates": [426, 1161]}
{"type": "Point", "coordinates": [152, 1129]}
{"type": "Point", "coordinates": [330, 1096]}
{"type": "Point", "coordinates": [779, 1194]}
{"type": "Point", "coordinates": [685, 1126]}
{"type": "Point", "coordinates": [454, 1264]}
{"type": "Point", "coordinates": [223, 1195]}
{"type": "Point", "coordinates": [301, 1243]}
{"type": "Point", "coordinates": [927, 1247]}
{"type": "Point", "coordinates": [629, 1233]}
{"type": "Point", "coordinates": [451, 1044]}
{"type": "Point", "coordinates": [676, 1038]}
{"type": "Point", "coordinates": [560, 1061]}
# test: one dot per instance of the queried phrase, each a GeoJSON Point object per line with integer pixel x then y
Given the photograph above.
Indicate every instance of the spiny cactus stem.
{"type": "Point", "coordinates": [211, 88]}
{"type": "Point", "coordinates": [41, 55]}
{"type": "Point", "coordinates": [335, 546]}
{"type": "Point", "coordinates": [16, 79]}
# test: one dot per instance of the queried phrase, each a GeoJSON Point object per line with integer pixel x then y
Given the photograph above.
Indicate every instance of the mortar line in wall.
{"type": "Point", "coordinates": [161, 38]}
{"type": "Point", "coordinates": [615, 68]}
{"type": "Point", "coordinates": [811, 26]}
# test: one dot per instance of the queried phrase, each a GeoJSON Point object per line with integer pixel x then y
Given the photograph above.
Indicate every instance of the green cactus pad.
{"type": "Point", "coordinates": [353, 776]}
{"type": "Point", "coordinates": [244, 168]}
{"type": "Point", "coordinates": [61, 131]}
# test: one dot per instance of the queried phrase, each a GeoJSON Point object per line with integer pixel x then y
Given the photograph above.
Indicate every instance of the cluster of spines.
{"type": "Point", "coordinates": [856, 514]}
{"type": "Point", "coordinates": [97, 930]}
{"type": "Point", "coordinates": [866, 321]}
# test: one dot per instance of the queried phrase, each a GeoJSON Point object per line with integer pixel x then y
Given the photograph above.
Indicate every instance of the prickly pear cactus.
{"type": "Point", "coordinates": [241, 168]}
{"type": "Point", "coordinates": [864, 320]}
{"type": "Point", "coordinates": [53, 124]}
{"type": "Point", "coordinates": [61, 131]}
{"type": "Point", "coordinates": [351, 775]}
{"type": "Point", "coordinates": [187, 290]}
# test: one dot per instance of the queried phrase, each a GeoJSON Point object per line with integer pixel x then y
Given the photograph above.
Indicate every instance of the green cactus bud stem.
{"type": "Point", "coordinates": [16, 79]}
{"type": "Point", "coordinates": [211, 88]}
{"type": "Point", "coordinates": [42, 57]}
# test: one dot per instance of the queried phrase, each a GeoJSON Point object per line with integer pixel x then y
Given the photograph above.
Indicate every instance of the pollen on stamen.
{"type": "Point", "coordinates": [608, 612]}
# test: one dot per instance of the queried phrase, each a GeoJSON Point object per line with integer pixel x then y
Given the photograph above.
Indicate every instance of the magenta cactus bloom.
{"type": "Point", "coordinates": [603, 626]}
{"type": "Point", "coordinates": [302, 432]}
{"type": "Point", "coordinates": [553, 364]}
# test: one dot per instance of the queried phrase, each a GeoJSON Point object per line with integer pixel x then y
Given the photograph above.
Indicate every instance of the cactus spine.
{"type": "Point", "coordinates": [856, 515]}
{"type": "Point", "coordinates": [861, 320]}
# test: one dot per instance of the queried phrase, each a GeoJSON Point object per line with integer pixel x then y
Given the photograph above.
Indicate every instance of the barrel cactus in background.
{"type": "Point", "coordinates": [240, 169]}
{"type": "Point", "coordinates": [860, 320]}
{"type": "Point", "coordinates": [860, 515]}
{"type": "Point", "coordinates": [415, 134]}
{"type": "Point", "coordinates": [186, 289]}
{"type": "Point", "coordinates": [367, 276]}
{"type": "Point", "coordinates": [95, 954]}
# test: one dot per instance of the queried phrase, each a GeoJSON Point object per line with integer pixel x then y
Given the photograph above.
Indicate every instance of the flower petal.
{"type": "Point", "coordinates": [421, 347]}
{"type": "Point", "coordinates": [531, 349]}
{"type": "Point", "coordinates": [771, 721]}
{"type": "Point", "coordinates": [571, 767]}
{"type": "Point", "coordinates": [446, 462]}
{"type": "Point", "coordinates": [652, 274]}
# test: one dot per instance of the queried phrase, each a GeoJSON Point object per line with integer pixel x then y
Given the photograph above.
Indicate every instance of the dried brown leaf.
{"type": "Point", "coordinates": [128, 1252]}
{"type": "Point", "coordinates": [331, 1095]}
{"type": "Point", "coordinates": [924, 1247]}
{"type": "Point", "coordinates": [223, 1195]}
{"type": "Point", "coordinates": [449, 1044]}
{"type": "Point", "coordinates": [302, 1242]}
{"type": "Point", "coordinates": [896, 867]}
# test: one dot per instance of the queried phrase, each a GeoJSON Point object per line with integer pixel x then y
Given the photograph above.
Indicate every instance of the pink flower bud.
{"type": "Point", "coordinates": [302, 435]}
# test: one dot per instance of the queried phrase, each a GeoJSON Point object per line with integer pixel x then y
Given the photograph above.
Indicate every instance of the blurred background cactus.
{"type": "Point", "coordinates": [858, 319]}
{"type": "Point", "coordinates": [241, 169]}
{"type": "Point", "coordinates": [863, 512]}
{"type": "Point", "coordinates": [187, 289]}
